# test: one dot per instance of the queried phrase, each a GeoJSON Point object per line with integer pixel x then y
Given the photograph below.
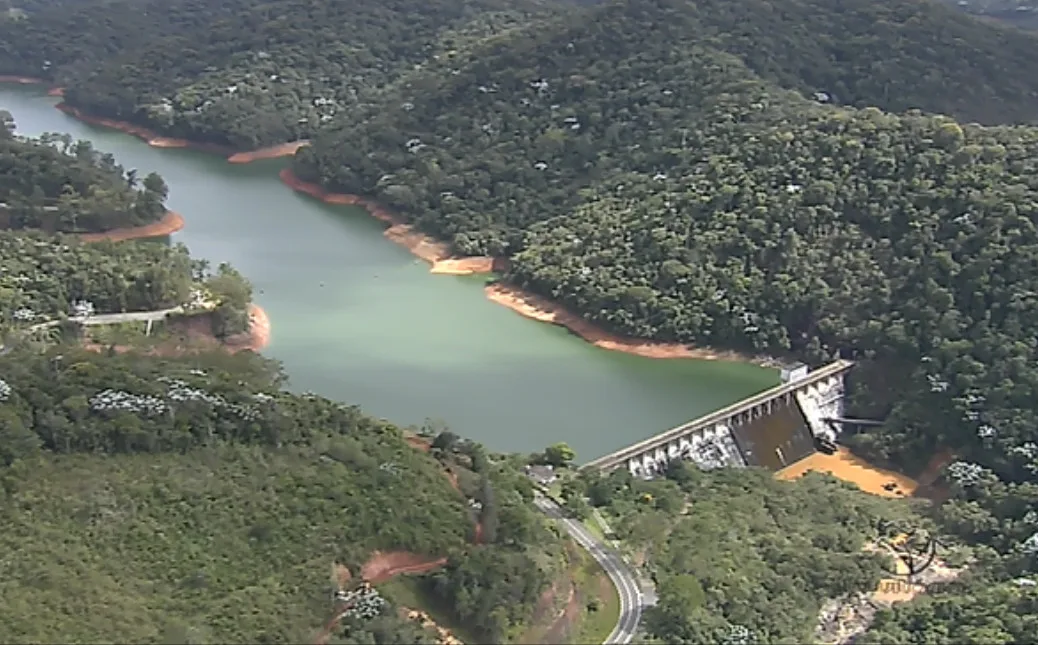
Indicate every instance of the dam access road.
{"type": "Point", "coordinates": [632, 600]}
{"type": "Point", "coordinates": [357, 318]}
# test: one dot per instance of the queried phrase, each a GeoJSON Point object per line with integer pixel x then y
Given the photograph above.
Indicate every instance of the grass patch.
{"type": "Point", "coordinates": [408, 591]}
{"type": "Point", "coordinates": [592, 525]}
{"type": "Point", "coordinates": [601, 601]}
{"type": "Point", "coordinates": [129, 333]}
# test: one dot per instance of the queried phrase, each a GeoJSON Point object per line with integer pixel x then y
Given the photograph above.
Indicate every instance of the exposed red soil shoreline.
{"type": "Point", "coordinates": [435, 252]}
{"type": "Point", "coordinates": [542, 309]}
{"type": "Point", "coordinates": [535, 307]}
{"type": "Point", "coordinates": [157, 140]}
{"type": "Point", "coordinates": [170, 223]}
{"type": "Point", "coordinates": [270, 152]}
{"type": "Point", "coordinates": [21, 80]}
{"type": "Point", "coordinates": [253, 340]}
{"type": "Point", "coordinates": [153, 139]}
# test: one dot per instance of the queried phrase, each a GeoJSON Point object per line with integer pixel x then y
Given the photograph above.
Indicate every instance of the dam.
{"type": "Point", "coordinates": [772, 429]}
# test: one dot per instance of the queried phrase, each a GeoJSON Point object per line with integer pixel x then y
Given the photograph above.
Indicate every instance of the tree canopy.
{"type": "Point", "coordinates": [242, 73]}
{"type": "Point", "coordinates": [57, 184]}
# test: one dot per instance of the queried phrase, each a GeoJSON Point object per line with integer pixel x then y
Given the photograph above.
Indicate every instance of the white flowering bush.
{"type": "Point", "coordinates": [1030, 545]}
{"type": "Point", "coordinates": [366, 604]}
{"type": "Point", "coordinates": [738, 635]}
{"type": "Point", "coordinates": [966, 474]}
{"type": "Point", "coordinates": [5, 390]}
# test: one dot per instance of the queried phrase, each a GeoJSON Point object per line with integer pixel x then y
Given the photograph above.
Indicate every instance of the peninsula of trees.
{"type": "Point", "coordinates": [56, 184]}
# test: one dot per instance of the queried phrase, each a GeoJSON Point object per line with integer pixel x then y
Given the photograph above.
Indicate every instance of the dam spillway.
{"type": "Point", "coordinates": [772, 429]}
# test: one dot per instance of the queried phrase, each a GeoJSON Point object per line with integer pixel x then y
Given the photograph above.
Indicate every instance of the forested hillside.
{"type": "Point", "coordinates": [193, 499]}
{"type": "Point", "coordinates": [1021, 13]}
{"type": "Point", "coordinates": [242, 73]}
{"type": "Point", "coordinates": [1000, 613]}
{"type": "Point", "coordinates": [739, 557]}
{"type": "Point", "coordinates": [59, 185]}
{"type": "Point", "coordinates": [666, 189]}
{"type": "Point", "coordinates": [192, 494]}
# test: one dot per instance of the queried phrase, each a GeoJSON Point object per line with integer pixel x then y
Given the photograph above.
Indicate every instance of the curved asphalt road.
{"type": "Point", "coordinates": [631, 600]}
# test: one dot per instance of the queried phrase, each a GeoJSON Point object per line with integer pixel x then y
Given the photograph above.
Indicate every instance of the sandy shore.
{"type": "Point", "coordinates": [258, 336]}
{"type": "Point", "coordinates": [270, 152]}
{"type": "Point", "coordinates": [151, 138]}
{"type": "Point", "coordinates": [436, 253]}
{"type": "Point", "coordinates": [170, 223]}
{"type": "Point", "coordinates": [542, 309]}
{"type": "Point", "coordinates": [21, 80]}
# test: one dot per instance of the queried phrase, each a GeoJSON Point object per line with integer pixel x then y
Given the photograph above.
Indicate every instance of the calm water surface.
{"type": "Point", "coordinates": [358, 319]}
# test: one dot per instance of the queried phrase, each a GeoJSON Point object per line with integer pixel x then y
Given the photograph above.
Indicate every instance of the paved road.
{"type": "Point", "coordinates": [106, 319]}
{"type": "Point", "coordinates": [631, 599]}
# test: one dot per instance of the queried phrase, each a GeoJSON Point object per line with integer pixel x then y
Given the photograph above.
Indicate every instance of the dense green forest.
{"type": "Point", "coordinates": [56, 184]}
{"type": "Point", "coordinates": [1021, 13]}
{"type": "Point", "coordinates": [193, 495]}
{"type": "Point", "coordinates": [669, 190]}
{"type": "Point", "coordinates": [1001, 613]}
{"type": "Point", "coordinates": [241, 73]}
{"type": "Point", "coordinates": [193, 498]}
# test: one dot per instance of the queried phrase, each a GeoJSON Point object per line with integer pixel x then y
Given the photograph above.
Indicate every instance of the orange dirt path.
{"type": "Point", "coordinates": [170, 223]}
{"type": "Point", "coordinates": [851, 468]}
{"type": "Point", "coordinates": [383, 566]}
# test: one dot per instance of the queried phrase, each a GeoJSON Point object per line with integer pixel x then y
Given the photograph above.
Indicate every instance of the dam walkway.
{"type": "Point", "coordinates": [772, 429]}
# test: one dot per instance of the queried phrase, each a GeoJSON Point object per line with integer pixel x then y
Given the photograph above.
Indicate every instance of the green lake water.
{"type": "Point", "coordinates": [359, 319]}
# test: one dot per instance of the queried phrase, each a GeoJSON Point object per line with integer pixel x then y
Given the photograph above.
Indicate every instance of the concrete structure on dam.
{"type": "Point", "coordinates": [771, 429]}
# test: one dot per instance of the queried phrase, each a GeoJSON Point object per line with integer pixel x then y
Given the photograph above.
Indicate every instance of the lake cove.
{"type": "Point", "coordinates": [359, 319]}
